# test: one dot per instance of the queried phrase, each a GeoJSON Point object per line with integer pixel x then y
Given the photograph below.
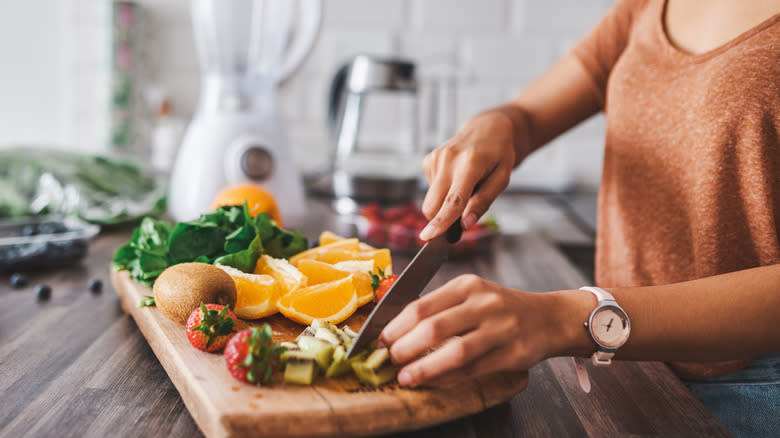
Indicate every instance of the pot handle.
{"type": "Point", "coordinates": [310, 18]}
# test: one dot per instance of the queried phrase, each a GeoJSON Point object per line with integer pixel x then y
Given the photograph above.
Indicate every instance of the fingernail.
{"type": "Point", "coordinates": [404, 378]}
{"type": "Point", "coordinates": [469, 221]}
{"type": "Point", "coordinates": [426, 232]}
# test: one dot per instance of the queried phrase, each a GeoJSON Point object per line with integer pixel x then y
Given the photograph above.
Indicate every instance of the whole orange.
{"type": "Point", "coordinates": [258, 199]}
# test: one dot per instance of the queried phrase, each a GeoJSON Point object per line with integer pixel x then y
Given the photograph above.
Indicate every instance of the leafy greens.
{"type": "Point", "coordinates": [227, 236]}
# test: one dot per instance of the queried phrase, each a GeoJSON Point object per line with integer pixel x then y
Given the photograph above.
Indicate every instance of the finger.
{"type": "Point", "coordinates": [454, 202]}
{"type": "Point", "coordinates": [433, 331]}
{"type": "Point", "coordinates": [449, 295]}
{"type": "Point", "coordinates": [486, 193]}
{"type": "Point", "coordinates": [429, 166]}
{"type": "Point", "coordinates": [454, 354]}
{"type": "Point", "coordinates": [498, 359]}
{"type": "Point", "coordinates": [435, 194]}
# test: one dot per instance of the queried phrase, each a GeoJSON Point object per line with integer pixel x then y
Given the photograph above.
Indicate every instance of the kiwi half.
{"type": "Point", "coordinates": [181, 288]}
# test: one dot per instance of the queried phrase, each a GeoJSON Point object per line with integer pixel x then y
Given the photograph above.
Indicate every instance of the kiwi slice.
{"type": "Point", "coordinates": [322, 351]}
{"type": "Point", "coordinates": [377, 358]}
{"type": "Point", "coordinates": [300, 369]}
{"type": "Point", "coordinates": [373, 377]}
{"type": "Point", "coordinates": [327, 335]}
{"type": "Point", "coordinates": [339, 366]}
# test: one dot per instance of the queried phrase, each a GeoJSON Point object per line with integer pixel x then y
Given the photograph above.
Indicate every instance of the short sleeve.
{"type": "Point", "coordinates": [600, 48]}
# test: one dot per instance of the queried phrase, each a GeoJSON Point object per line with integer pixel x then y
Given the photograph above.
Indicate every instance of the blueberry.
{"type": "Point", "coordinates": [43, 292]}
{"type": "Point", "coordinates": [18, 280]}
{"type": "Point", "coordinates": [95, 285]}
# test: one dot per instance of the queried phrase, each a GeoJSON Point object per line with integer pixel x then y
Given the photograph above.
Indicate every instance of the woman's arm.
{"type": "Point", "coordinates": [725, 317]}
{"type": "Point", "coordinates": [479, 327]}
{"type": "Point", "coordinates": [488, 146]}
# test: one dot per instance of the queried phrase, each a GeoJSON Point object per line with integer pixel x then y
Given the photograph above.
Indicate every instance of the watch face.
{"type": "Point", "coordinates": [610, 327]}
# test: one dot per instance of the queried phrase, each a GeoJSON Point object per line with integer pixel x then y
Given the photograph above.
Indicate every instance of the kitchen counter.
{"type": "Point", "coordinates": [76, 365]}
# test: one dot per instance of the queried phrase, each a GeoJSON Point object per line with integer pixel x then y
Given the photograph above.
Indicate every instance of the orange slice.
{"type": "Point", "coordinates": [327, 237]}
{"type": "Point", "coordinates": [256, 295]}
{"type": "Point", "coordinates": [288, 276]}
{"type": "Point", "coordinates": [361, 278]}
{"type": "Point", "coordinates": [320, 272]}
{"type": "Point", "coordinates": [324, 253]}
{"type": "Point", "coordinates": [334, 302]}
{"type": "Point", "coordinates": [381, 258]}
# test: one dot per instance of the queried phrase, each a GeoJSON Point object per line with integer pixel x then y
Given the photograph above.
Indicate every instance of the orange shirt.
{"type": "Point", "coordinates": [691, 180]}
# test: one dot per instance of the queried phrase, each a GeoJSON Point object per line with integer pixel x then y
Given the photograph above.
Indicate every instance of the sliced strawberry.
{"type": "Point", "coordinates": [381, 283]}
{"type": "Point", "coordinates": [210, 327]}
{"type": "Point", "coordinates": [251, 356]}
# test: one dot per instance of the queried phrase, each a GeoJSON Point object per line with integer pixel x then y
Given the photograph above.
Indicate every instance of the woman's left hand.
{"type": "Point", "coordinates": [471, 327]}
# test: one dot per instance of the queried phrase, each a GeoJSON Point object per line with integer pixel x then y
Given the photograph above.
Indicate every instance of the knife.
{"type": "Point", "coordinates": [408, 286]}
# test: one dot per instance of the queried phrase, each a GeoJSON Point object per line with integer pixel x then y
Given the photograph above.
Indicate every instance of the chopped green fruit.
{"type": "Point", "coordinates": [300, 369]}
{"type": "Point", "coordinates": [291, 346]}
{"type": "Point", "coordinates": [358, 357]}
{"type": "Point", "coordinates": [339, 366]}
{"type": "Point", "coordinates": [308, 331]}
{"type": "Point", "coordinates": [351, 333]}
{"type": "Point", "coordinates": [327, 335]}
{"type": "Point", "coordinates": [373, 377]}
{"type": "Point", "coordinates": [321, 350]}
{"type": "Point", "coordinates": [377, 358]}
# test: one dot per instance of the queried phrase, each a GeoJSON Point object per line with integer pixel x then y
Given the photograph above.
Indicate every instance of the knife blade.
{"type": "Point", "coordinates": [408, 286]}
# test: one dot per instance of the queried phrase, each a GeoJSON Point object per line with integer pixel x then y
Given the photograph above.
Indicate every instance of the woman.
{"type": "Point", "coordinates": [688, 236]}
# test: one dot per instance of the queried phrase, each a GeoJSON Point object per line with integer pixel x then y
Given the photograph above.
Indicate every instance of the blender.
{"type": "Point", "coordinates": [246, 49]}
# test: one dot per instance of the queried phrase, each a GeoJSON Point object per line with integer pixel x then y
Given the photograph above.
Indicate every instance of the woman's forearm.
{"type": "Point", "coordinates": [560, 99]}
{"type": "Point", "coordinates": [725, 317]}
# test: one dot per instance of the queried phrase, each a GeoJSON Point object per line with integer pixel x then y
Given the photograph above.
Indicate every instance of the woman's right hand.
{"type": "Point", "coordinates": [481, 155]}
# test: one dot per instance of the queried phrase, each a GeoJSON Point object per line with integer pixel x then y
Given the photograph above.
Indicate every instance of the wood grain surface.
{"type": "Point", "coordinates": [224, 407]}
{"type": "Point", "coordinates": [78, 366]}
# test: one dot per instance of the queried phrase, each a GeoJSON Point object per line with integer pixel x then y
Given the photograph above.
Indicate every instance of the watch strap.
{"type": "Point", "coordinates": [582, 373]}
{"type": "Point", "coordinates": [600, 293]}
{"type": "Point", "coordinates": [599, 358]}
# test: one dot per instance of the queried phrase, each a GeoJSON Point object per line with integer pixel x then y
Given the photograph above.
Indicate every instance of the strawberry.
{"type": "Point", "coordinates": [394, 214]}
{"type": "Point", "coordinates": [371, 211]}
{"type": "Point", "coordinates": [252, 357]}
{"type": "Point", "coordinates": [381, 283]}
{"type": "Point", "coordinates": [376, 233]}
{"type": "Point", "coordinates": [401, 238]}
{"type": "Point", "coordinates": [210, 326]}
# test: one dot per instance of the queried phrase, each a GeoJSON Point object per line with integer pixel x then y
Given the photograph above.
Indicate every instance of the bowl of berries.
{"type": "Point", "coordinates": [398, 227]}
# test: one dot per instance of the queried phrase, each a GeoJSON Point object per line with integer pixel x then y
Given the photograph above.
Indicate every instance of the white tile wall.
{"type": "Point", "coordinates": [496, 47]}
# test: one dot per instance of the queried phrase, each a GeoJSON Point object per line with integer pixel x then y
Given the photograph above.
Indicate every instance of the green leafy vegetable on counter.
{"type": "Point", "coordinates": [228, 236]}
{"type": "Point", "coordinates": [41, 181]}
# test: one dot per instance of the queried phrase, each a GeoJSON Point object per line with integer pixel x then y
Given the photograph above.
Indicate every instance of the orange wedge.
{"type": "Point", "coordinates": [288, 276]}
{"type": "Point", "coordinates": [320, 272]}
{"type": "Point", "coordinates": [334, 302]}
{"type": "Point", "coordinates": [381, 258]}
{"type": "Point", "coordinates": [361, 278]}
{"type": "Point", "coordinates": [256, 295]}
{"type": "Point", "coordinates": [327, 237]}
{"type": "Point", "coordinates": [324, 253]}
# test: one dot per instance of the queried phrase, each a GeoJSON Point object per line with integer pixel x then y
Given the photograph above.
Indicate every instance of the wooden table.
{"type": "Point", "coordinates": [76, 365]}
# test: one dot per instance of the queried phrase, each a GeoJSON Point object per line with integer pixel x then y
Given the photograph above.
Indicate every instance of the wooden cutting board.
{"type": "Point", "coordinates": [223, 406]}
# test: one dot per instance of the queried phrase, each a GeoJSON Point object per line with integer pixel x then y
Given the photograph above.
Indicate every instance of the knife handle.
{"type": "Point", "coordinates": [454, 232]}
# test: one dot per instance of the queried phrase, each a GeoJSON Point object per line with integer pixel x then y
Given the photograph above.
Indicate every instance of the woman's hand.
{"type": "Point", "coordinates": [481, 155]}
{"type": "Point", "coordinates": [471, 327]}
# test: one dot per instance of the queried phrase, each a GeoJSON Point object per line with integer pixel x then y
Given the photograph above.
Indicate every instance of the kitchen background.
{"type": "Point", "coordinates": [56, 77]}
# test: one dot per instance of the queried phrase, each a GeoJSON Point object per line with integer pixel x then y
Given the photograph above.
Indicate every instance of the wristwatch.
{"type": "Point", "coordinates": [609, 327]}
